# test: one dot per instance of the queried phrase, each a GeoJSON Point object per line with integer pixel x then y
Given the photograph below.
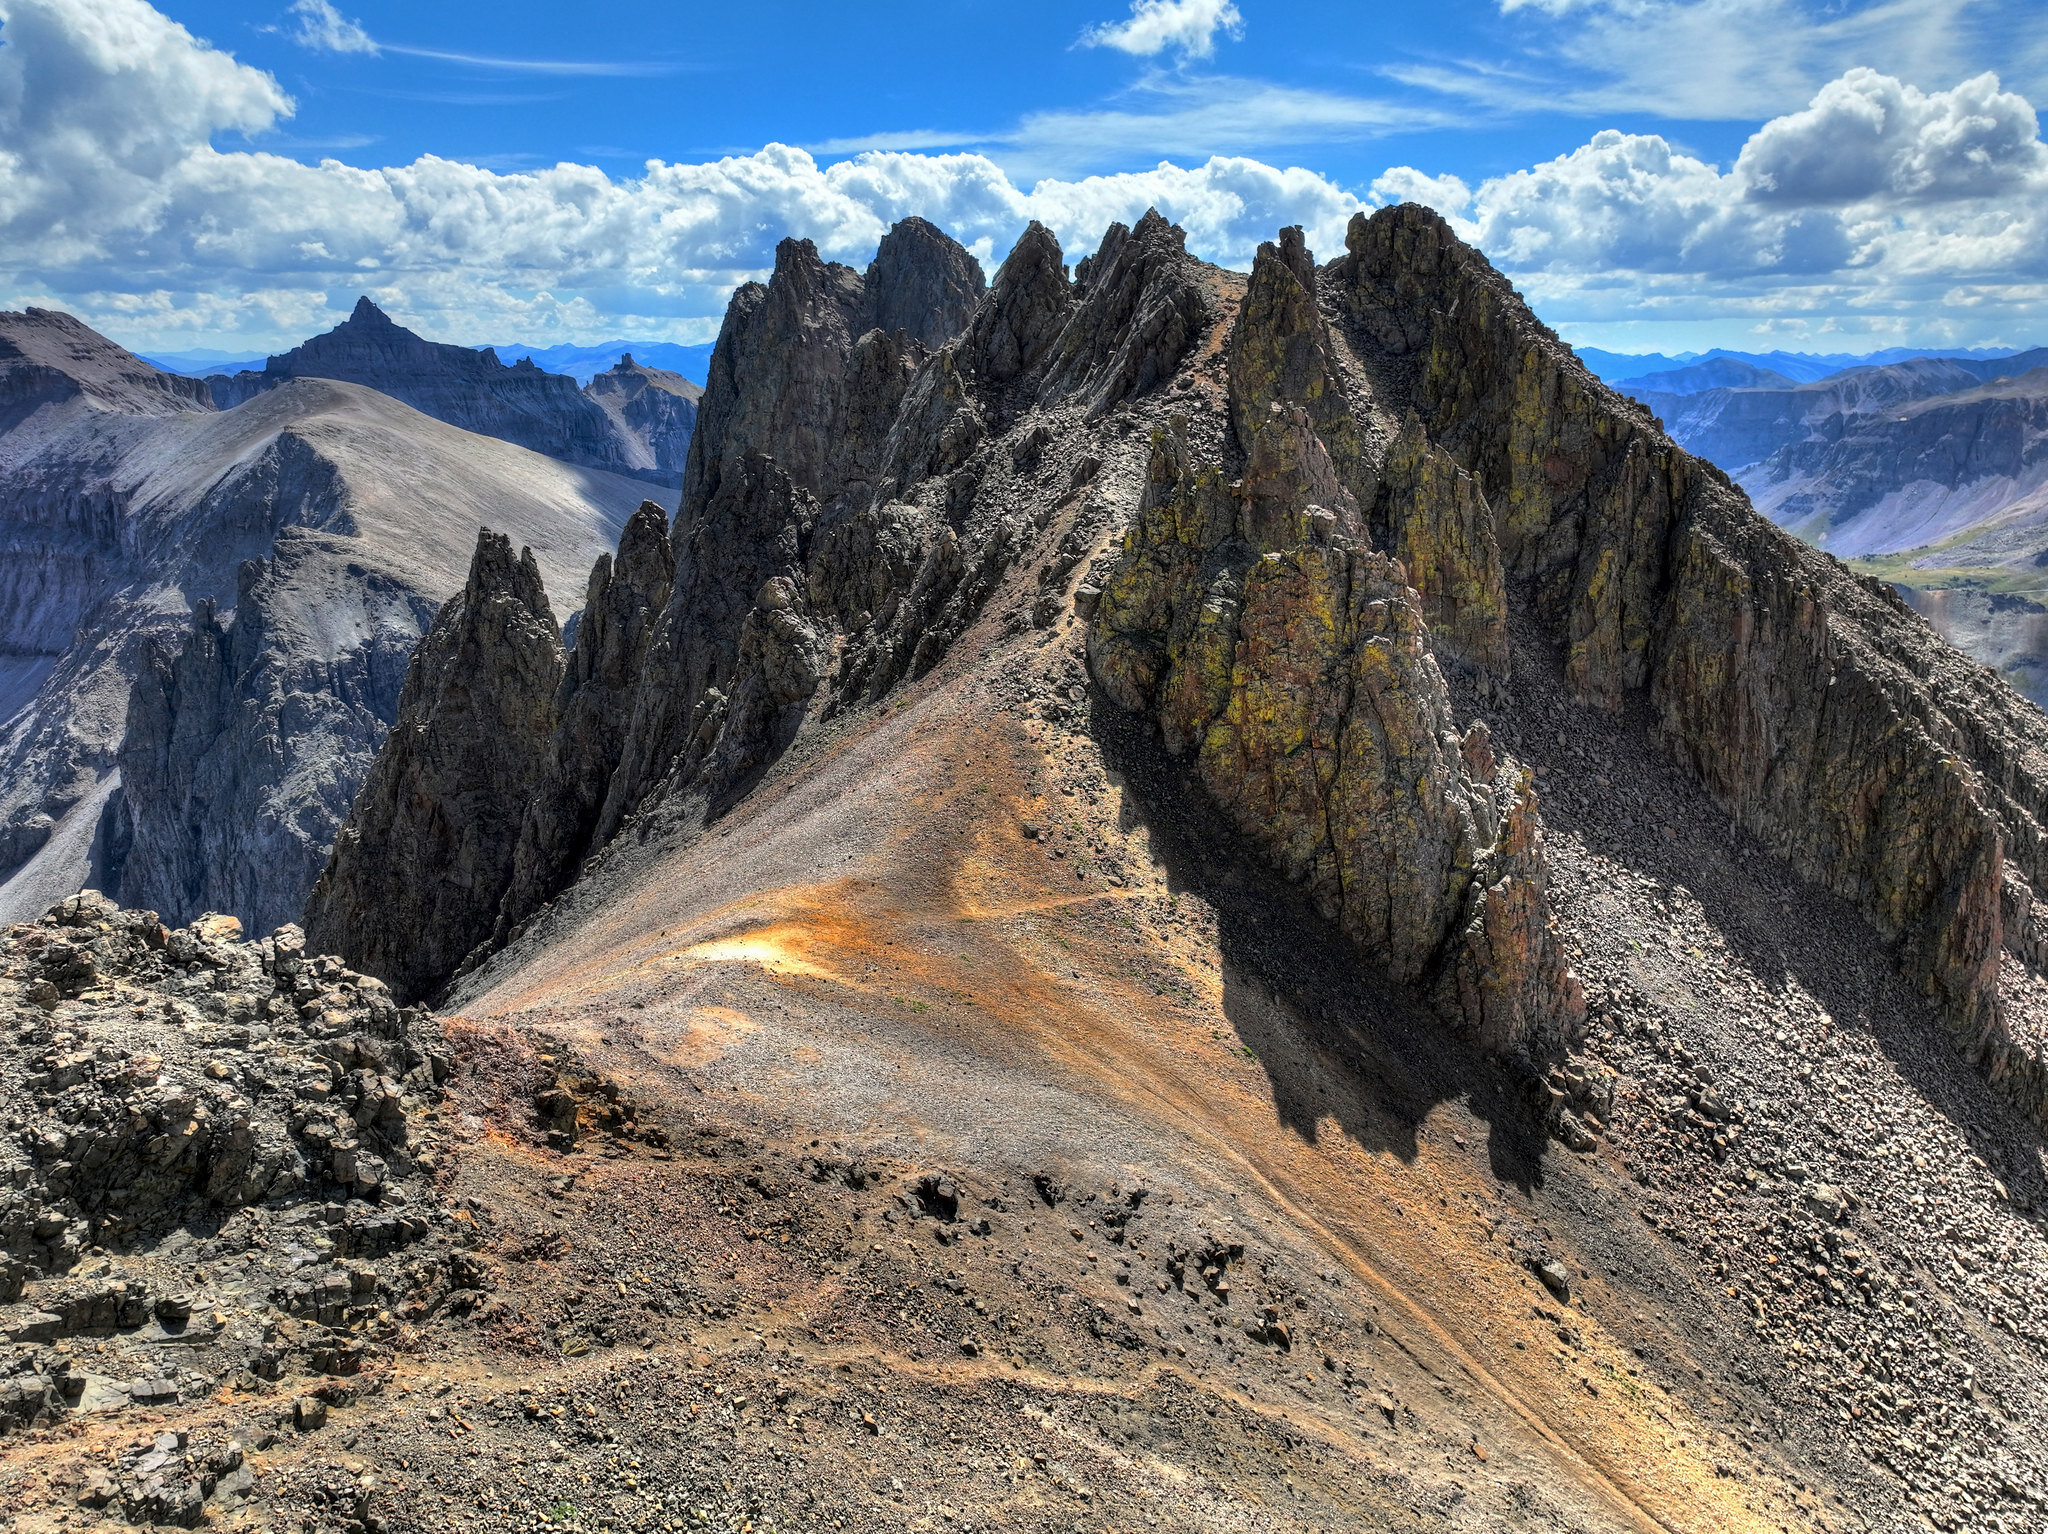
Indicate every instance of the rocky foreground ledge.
{"type": "Point", "coordinates": [216, 1170]}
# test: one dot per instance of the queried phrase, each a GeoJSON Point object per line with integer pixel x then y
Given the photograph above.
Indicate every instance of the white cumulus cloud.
{"type": "Point", "coordinates": [1187, 27]}
{"type": "Point", "coordinates": [1876, 204]}
{"type": "Point", "coordinates": [113, 187]}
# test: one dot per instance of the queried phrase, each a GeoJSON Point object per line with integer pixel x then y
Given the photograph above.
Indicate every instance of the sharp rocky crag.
{"type": "Point", "coordinates": [1224, 900]}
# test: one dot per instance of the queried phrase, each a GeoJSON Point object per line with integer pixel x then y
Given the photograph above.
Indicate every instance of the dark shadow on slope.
{"type": "Point", "coordinates": [1335, 1038]}
{"type": "Point", "coordinates": [1650, 817]}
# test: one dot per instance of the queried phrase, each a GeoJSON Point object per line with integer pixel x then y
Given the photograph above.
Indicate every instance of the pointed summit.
{"type": "Point", "coordinates": [367, 313]}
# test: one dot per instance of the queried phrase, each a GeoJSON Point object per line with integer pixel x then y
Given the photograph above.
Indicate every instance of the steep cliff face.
{"type": "Point", "coordinates": [1956, 472]}
{"type": "Point", "coordinates": [246, 743]}
{"type": "Point", "coordinates": [48, 358]}
{"type": "Point", "coordinates": [626, 597]}
{"type": "Point", "coordinates": [1517, 718]}
{"type": "Point", "coordinates": [1812, 705]}
{"type": "Point", "coordinates": [416, 875]}
{"type": "Point", "coordinates": [1743, 424]}
{"type": "Point", "coordinates": [544, 412]}
{"type": "Point", "coordinates": [922, 283]}
{"type": "Point", "coordinates": [1293, 663]}
{"type": "Point", "coordinates": [1404, 461]}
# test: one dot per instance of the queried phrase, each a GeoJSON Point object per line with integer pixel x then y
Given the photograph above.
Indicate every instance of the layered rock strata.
{"type": "Point", "coordinates": [653, 410]}
{"type": "Point", "coordinates": [127, 501]}
{"type": "Point", "coordinates": [246, 742]}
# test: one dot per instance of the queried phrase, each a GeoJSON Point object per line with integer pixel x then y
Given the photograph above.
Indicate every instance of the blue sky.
{"type": "Point", "coordinates": [1655, 174]}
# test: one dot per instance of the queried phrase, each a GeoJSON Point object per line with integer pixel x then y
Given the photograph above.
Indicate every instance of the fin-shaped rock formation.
{"type": "Point", "coordinates": [442, 806]}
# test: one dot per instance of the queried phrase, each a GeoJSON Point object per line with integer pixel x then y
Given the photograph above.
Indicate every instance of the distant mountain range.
{"type": "Point", "coordinates": [517, 402]}
{"type": "Point", "coordinates": [1625, 368]}
{"type": "Point", "coordinates": [583, 363]}
{"type": "Point", "coordinates": [197, 364]}
{"type": "Point", "coordinates": [206, 613]}
{"type": "Point", "coordinates": [1930, 472]}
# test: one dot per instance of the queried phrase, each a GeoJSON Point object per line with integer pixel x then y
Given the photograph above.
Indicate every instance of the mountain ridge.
{"type": "Point", "coordinates": [518, 402]}
{"type": "Point", "coordinates": [130, 505]}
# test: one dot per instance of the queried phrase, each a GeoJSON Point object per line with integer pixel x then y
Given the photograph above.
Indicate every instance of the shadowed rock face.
{"type": "Point", "coordinates": [417, 873]}
{"type": "Point", "coordinates": [921, 282]}
{"type": "Point", "coordinates": [837, 530]}
{"type": "Point", "coordinates": [126, 501]}
{"type": "Point", "coordinates": [245, 744]}
{"type": "Point", "coordinates": [626, 598]}
{"type": "Point", "coordinates": [1813, 705]}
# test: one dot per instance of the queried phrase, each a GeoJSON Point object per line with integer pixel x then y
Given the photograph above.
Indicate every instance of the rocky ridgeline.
{"type": "Point", "coordinates": [218, 1169]}
{"type": "Point", "coordinates": [517, 403]}
{"type": "Point", "coordinates": [1814, 707]}
{"type": "Point", "coordinates": [853, 498]}
{"type": "Point", "coordinates": [1334, 524]}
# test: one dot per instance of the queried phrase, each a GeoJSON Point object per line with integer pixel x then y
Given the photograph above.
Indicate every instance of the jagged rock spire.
{"type": "Point", "coordinates": [416, 876]}
{"type": "Point", "coordinates": [922, 282]}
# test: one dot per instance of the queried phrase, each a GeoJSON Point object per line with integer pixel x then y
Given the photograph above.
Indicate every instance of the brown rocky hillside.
{"type": "Point", "coordinates": [1190, 901]}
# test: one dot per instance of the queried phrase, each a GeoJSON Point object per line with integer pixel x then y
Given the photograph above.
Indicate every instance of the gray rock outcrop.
{"type": "Point", "coordinates": [418, 873]}
{"type": "Point", "coordinates": [847, 509]}
{"type": "Point", "coordinates": [626, 598]}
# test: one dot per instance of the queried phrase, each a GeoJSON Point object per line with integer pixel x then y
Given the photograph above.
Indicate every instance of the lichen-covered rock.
{"type": "Point", "coordinates": [1441, 529]}
{"type": "Point", "coordinates": [1279, 352]}
{"type": "Point", "coordinates": [419, 871]}
{"type": "Point", "coordinates": [1815, 707]}
{"type": "Point", "coordinates": [1300, 680]}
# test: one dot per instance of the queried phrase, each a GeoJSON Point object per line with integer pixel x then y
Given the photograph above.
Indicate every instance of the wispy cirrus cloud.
{"type": "Point", "coordinates": [1171, 116]}
{"type": "Point", "coordinates": [319, 26]}
{"type": "Point", "coordinates": [1708, 60]}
